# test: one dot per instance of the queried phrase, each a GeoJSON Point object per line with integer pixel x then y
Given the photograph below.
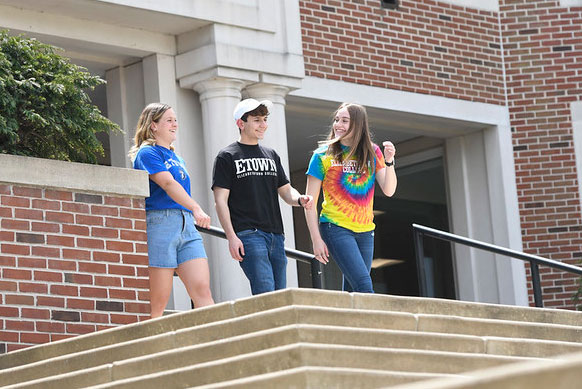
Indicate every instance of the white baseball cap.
{"type": "Point", "coordinates": [247, 105]}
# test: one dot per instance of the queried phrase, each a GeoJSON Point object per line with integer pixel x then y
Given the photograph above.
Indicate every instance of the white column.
{"type": "Point", "coordinates": [276, 138]}
{"type": "Point", "coordinates": [483, 207]}
{"type": "Point", "coordinates": [116, 108]}
{"type": "Point", "coordinates": [159, 78]}
{"type": "Point", "coordinates": [218, 97]}
{"type": "Point", "coordinates": [125, 101]}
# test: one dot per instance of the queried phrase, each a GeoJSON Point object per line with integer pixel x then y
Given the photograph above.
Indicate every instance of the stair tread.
{"type": "Point", "coordinates": [285, 325]}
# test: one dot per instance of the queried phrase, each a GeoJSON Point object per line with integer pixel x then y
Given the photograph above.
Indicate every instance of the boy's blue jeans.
{"type": "Point", "coordinates": [264, 262]}
{"type": "Point", "coordinates": [353, 252]}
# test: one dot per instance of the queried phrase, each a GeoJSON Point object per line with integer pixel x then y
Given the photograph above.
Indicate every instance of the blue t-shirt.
{"type": "Point", "coordinates": [156, 159]}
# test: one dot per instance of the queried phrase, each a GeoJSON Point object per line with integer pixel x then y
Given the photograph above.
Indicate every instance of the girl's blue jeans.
{"type": "Point", "coordinates": [353, 252]}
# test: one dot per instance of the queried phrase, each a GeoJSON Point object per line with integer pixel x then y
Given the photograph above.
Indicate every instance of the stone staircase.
{"type": "Point", "coordinates": [305, 338]}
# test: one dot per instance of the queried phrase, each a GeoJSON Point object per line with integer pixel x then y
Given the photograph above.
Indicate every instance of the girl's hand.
{"type": "Point", "coordinates": [306, 201]}
{"type": "Point", "coordinates": [389, 151]}
{"type": "Point", "coordinates": [320, 251]}
{"type": "Point", "coordinates": [202, 219]}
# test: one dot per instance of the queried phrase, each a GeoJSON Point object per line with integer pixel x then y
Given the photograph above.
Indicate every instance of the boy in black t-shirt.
{"type": "Point", "coordinates": [247, 180]}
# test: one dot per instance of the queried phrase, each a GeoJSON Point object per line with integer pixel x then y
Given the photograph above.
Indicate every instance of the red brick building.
{"type": "Point", "coordinates": [481, 97]}
{"type": "Point", "coordinates": [527, 56]}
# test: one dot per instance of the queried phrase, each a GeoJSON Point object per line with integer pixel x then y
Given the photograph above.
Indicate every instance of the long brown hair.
{"type": "Point", "coordinates": [144, 135]}
{"type": "Point", "coordinates": [361, 147]}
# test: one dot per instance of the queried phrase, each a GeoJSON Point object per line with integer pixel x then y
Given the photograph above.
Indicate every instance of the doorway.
{"type": "Point", "coordinates": [421, 198]}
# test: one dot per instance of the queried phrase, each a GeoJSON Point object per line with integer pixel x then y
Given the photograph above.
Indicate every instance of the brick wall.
{"type": "Point", "coordinates": [436, 48]}
{"type": "Point", "coordinates": [543, 54]}
{"type": "Point", "coordinates": [424, 47]}
{"type": "Point", "coordinates": [70, 263]}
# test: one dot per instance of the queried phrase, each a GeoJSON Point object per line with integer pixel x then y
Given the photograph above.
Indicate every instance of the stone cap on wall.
{"type": "Point", "coordinates": [73, 176]}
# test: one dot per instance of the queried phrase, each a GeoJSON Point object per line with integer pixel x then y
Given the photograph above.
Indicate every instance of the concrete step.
{"type": "Point", "coordinates": [465, 309]}
{"type": "Point", "coordinates": [278, 359]}
{"type": "Point", "coordinates": [530, 347]}
{"type": "Point", "coordinates": [297, 319]}
{"type": "Point", "coordinates": [289, 321]}
{"type": "Point", "coordinates": [307, 377]}
{"type": "Point", "coordinates": [283, 298]}
{"type": "Point", "coordinates": [233, 328]}
{"type": "Point", "coordinates": [563, 373]}
{"type": "Point", "coordinates": [499, 328]}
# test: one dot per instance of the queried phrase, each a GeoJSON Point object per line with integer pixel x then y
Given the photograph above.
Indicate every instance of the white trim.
{"type": "Point", "coordinates": [122, 41]}
{"type": "Point", "coordinates": [570, 3]}
{"type": "Point", "coordinates": [576, 110]}
{"type": "Point", "coordinates": [375, 97]}
{"type": "Point", "coordinates": [426, 155]}
{"type": "Point", "coordinates": [243, 13]}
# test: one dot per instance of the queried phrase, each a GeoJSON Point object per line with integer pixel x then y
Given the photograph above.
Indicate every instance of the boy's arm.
{"type": "Point", "coordinates": [292, 197]}
{"type": "Point", "coordinates": [235, 246]}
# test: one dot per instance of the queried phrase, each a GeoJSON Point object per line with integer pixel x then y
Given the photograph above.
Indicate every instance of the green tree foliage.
{"type": "Point", "coordinates": [44, 109]}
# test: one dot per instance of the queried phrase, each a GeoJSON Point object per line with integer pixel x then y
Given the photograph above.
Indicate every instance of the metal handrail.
{"type": "Point", "coordinates": [534, 260]}
{"type": "Point", "coordinates": [301, 256]}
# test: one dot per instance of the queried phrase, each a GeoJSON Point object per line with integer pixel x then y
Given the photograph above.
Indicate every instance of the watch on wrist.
{"type": "Point", "coordinates": [388, 164]}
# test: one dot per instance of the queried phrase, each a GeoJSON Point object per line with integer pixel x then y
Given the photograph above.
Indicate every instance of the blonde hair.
{"type": "Point", "coordinates": [144, 135]}
{"type": "Point", "coordinates": [361, 147]}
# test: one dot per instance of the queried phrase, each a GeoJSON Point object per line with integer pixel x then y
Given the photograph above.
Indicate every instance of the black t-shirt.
{"type": "Point", "coordinates": [253, 174]}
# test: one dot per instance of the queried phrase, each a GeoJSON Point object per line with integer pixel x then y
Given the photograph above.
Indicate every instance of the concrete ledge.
{"type": "Point", "coordinates": [116, 335]}
{"type": "Point", "coordinates": [292, 331]}
{"type": "Point", "coordinates": [299, 296]}
{"type": "Point", "coordinates": [324, 377]}
{"type": "Point", "coordinates": [292, 334]}
{"type": "Point", "coordinates": [499, 328]}
{"type": "Point", "coordinates": [73, 176]}
{"type": "Point", "coordinates": [530, 347]}
{"type": "Point", "coordinates": [556, 374]}
{"type": "Point", "coordinates": [397, 305]}
{"type": "Point", "coordinates": [300, 354]}
{"type": "Point", "coordinates": [133, 340]}
{"type": "Point", "coordinates": [466, 309]}
{"type": "Point", "coordinates": [93, 376]}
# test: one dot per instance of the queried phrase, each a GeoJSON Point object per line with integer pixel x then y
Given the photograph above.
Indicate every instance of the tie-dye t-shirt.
{"type": "Point", "coordinates": [348, 196]}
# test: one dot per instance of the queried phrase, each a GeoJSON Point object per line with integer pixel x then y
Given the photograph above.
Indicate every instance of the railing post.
{"type": "Point", "coordinates": [316, 274]}
{"type": "Point", "coordinates": [421, 269]}
{"type": "Point", "coordinates": [537, 288]}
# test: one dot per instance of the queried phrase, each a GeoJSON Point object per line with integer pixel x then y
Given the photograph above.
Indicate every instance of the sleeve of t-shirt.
{"type": "Point", "coordinates": [150, 160]}
{"type": "Point", "coordinates": [315, 167]}
{"type": "Point", "coordinates": [380, 162]}
{"type": "Point", "coordinates": [281, 176]}
{"type": "Point", "coordinates": [221, 173]}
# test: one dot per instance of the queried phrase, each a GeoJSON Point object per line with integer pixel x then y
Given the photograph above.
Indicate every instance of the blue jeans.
{"type": "Point", "coordinates": [353, 252]}
{"type": "Point", "coordinates": [264, 262]}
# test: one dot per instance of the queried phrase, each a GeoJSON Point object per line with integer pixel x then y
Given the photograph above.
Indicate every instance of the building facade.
{"type": "Point", "coordinates": [481, 98]}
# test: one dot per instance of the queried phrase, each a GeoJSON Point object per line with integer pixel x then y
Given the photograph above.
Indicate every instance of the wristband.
{"type": "Point", "coordinates": [388, 164]}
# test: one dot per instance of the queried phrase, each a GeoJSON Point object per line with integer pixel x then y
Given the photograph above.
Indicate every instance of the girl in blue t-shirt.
{"type": "Point", "coordinates": [174, 244]}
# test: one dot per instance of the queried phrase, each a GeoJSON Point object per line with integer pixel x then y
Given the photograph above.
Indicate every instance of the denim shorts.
{"type": "Point", "coordinates": [172, 238]}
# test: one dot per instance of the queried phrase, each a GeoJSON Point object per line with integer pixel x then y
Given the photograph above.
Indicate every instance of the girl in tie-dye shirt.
{"type": "Point", "coordinates": [346, 167]}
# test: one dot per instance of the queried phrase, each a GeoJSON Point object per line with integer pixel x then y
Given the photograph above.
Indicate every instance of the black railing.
{"type": "Point", "coordinates": [534, 260]}
{"type": "Point", "coordinates": [301, 256]}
